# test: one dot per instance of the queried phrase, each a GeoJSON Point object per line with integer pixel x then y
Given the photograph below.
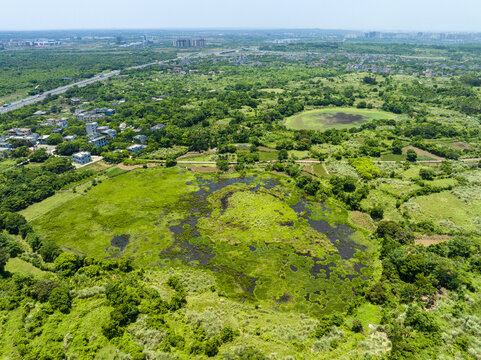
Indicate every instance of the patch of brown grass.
{"type": "Point", "coordinates": [363, 220]}
{"type": "Point", "coordinates": [204, 169]}
{"type": "Point", "coordinates": [461, 145]}
{"type": "Point", "coordinates": [427, 240]}
{"type": "Point", "coordinates": [263, 148]}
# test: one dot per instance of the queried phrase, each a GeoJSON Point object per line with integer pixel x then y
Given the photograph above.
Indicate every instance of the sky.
{"type": "Point", "coordinates": [407, 15]}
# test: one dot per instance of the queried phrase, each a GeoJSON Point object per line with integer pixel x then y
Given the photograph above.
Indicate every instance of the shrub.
{"type": "Point", "coordinates": [411, 155]}
{"type": "Point", "coordinates": [377, 294]}
{"type": "Point", "coordinates": [60, 299]}
{"type": "Point", "coordinates": [41, 289]}
{"type": "Point", "coordinates": [222, 164]}
{"type": "Point", "coordinates": [39, 155]}
{"type": "Point", "coordinates": [227, 334]}
{"type": "Point", "coordinates": [212, 347]}
{"type": "Point", "coordinates": [67, 264]}
{"type": "Point", "coordinates": [58, 165]}
{"type": "Point", "coordinates": [4, 256]}
{"type": "Point", "coordinates": [170, 161]}
{"type": "Point", "coordinates": [377, 212]}
{"type": "Point", "coordinates": [426, 173]}
{"type": "Point", "coordinates": [282, 155]}
{"type": "Point", "coordinates": [366, 168]}
{"type": "Point", "coordinates": [10, 244]}
{"type": "Point", "coordinates": [421, 320]}
{"type": "Point", "coordinates": [357, 326]}
{"type": "Point", "coordinates": [49, 251]}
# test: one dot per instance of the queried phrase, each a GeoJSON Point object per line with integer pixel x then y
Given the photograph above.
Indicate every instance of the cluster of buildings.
{"type": "Point", "coordinates": [96, 135]}
{"type": "Point", "coordinates": [26, 134]}
{"type": "Point", "coordinates": [93, 115]}
{"type": "Point", "coordinates": [187, 43]}
{"type": "Point", "coordinates": [31, 43]}
{"type": "Point", "coordinates": [16, 133]}
{"type": "Point", "coordinates": [422, 36]}
{"type": "Point", "coordinates": [22, 134]}
{"type": "Point", "coordinates": [95, 138]}
{"type": "Point", "coordinates": [59, 124]}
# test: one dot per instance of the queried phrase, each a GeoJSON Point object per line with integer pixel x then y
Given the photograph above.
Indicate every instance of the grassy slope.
{"type": "Point", "coordinates": [39, 209]}
{"type": "Point", "coordinates": [16, 265]}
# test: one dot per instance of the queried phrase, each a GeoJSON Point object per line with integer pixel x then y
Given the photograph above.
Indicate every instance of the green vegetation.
{"type": "Point", "coordinates": [306, 200]}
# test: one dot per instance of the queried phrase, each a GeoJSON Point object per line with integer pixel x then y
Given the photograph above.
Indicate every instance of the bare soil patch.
{"type": "Point", "coordinates": [427, 240]}
{"type": "Point", "coordinates": [204, 169]}
{"type": "Point", "coordinates": [461, 145]}
{"type": "Point", "coordinates": [422, 152]}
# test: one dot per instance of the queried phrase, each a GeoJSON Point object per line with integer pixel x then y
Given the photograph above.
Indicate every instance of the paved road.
{"type": "Point", "coordinates": [36, 98]}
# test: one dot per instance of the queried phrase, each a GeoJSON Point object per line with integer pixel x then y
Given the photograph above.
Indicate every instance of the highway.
{"type": "Point", "coordinates": [36, 98]}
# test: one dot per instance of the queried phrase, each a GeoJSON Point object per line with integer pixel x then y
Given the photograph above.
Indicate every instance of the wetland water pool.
{"type": "Point", "coordinates": [265, 241]}
{"type": "Point", "coordinates": [256, 234]}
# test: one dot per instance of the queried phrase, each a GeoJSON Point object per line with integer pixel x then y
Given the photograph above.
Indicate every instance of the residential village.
{"type": "Point", "coordinates": [96, 135]}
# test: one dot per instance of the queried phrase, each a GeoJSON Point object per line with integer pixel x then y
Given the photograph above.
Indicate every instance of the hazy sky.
{"type": "Point", "coordinates": [424, 15]}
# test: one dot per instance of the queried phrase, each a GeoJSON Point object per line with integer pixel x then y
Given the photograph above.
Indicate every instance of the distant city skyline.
{"type": "Point", "coordinates": [366, 15]}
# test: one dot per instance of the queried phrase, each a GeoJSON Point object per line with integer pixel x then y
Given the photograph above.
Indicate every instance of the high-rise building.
{"type": "Point", "coordinates": [198, 43]}
{"type": "Point", "coordinates": [185, 43]}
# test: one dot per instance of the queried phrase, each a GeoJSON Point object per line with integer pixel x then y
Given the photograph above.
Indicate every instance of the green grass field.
{"type": "Point", "coordinates": [267, 155]}
{"type": "Point", "coordinates": [16, 265]}
{"type": "Point", "coordinates": [39, 209]}
{"type": "Point", "coordinates": [448, 212]}
{"type": "Point", "coordinates": [334, 118]}
{"type": "Point", "coordinates": [393, 157]}
{"type": "Point", "coordinates": [127, 204]}
{"type": "Point", "coordinates": [320, 170]}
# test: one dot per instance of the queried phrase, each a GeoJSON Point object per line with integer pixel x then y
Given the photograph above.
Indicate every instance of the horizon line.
{"type": "Point", "coordinates": [241, 29]}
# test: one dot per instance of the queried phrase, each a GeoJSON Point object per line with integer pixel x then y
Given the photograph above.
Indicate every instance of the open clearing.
{"type": "Point", "coordinates": [334, 118]}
